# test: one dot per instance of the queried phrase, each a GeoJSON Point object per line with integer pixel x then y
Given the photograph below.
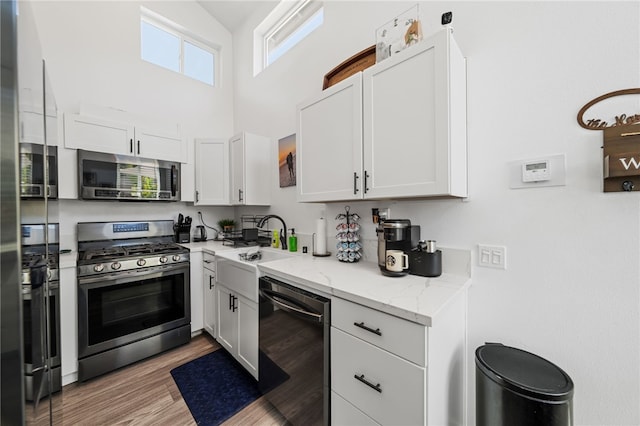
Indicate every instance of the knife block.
{"type": "Point", "coordinates": [182, 233]}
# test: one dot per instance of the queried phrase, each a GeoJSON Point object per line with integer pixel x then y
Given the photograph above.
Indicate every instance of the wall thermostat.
{"type": "Point", "coordinates": [536, 171]}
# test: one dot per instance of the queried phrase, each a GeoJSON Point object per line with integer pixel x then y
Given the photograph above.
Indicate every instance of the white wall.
{"type": "Point", "coordinates": [571, 289]}
{"type": "Point", "coordinates": [92, 55]}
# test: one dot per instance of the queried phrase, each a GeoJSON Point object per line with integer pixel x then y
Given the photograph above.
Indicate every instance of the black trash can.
{"type": "Point", "coordinates": [515, 387]}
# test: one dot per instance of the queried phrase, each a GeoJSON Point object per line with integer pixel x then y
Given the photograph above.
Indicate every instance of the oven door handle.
{"type": "Point", "coordinates": [292, 305]}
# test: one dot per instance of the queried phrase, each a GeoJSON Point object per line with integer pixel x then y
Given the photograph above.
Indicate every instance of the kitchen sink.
{"type": "Point", "coordinates": [263, 255]}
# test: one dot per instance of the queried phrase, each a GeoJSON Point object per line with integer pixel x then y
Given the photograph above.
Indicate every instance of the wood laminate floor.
{"type": "Point", "coordinates": [142, 394]}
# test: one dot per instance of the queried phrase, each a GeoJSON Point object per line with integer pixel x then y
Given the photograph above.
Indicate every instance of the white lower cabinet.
{"type": "Point", "coordinates": [238, 327]}
{"type": "Point", "coordinates": [236, 291]}
{"type": "Point", "coordinates": [391, 371]}
{"type": "Point", "coordinates": [388, 388]}
{"type": "Point", "coordinates": [208, 286]}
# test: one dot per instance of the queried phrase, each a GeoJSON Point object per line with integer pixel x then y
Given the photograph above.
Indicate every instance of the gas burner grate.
{"type": "Point", "coordinates": [103, 253]}
{"type": "Point", "coordinates": [139, 249]}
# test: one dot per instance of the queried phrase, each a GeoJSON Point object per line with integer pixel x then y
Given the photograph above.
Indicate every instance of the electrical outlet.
{"type": "Point", "coordinates": [492, 256]}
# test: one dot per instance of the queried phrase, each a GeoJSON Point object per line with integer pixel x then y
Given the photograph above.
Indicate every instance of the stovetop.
{"type": "Point", "coordinates": [113, 252]}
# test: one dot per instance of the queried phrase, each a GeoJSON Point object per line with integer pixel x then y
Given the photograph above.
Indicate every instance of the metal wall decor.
{"type": "Point", "coordinates": [620, 147]}
{"type": "Point", "coordinates": [619, 120]}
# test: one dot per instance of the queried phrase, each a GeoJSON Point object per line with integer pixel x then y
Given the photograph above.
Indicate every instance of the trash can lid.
{"type": "Point", "coordinates": [524, 372]}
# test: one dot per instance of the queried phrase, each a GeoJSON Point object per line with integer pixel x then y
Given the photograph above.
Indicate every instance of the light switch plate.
{"type": "Point", "coordinates": [492, 256]}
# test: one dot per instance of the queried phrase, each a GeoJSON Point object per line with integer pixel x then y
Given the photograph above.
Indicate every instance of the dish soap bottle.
{"type": "Point", "coordinates": [293, 241]}
{"type": "Point", "coordinates": [275, 239]}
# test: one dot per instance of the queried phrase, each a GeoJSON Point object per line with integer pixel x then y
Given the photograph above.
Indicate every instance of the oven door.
{"type": "Point", "coordinates": [117, 309]}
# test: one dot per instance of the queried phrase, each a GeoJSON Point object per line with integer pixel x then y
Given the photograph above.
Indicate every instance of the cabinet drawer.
{"type": "Point", "coordinates": [209, 261]}
{"type": "Point", "coordinates": [395, 389]}
{"type": "Point", "coordinates": [343, 413]}
{"type": "Point", "coordinates": [401, 337]}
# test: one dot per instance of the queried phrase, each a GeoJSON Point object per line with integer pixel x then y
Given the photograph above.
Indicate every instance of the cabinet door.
{"type": "Point", "coordinates": [95, 134]}
{"type": "Point", "coordinates": [257, 166]}
{"type": "Point", "coordinates": [212, 172]}
{"type": "Point", "coordinates": [227, 319]}
{"type": "Point", "coordinates": [237, 169]}
{"type": "Point", "coordinates": [209, 301]}
{"type": "Point", "coordinates": [329, 144]}
{"type": "Point", "coordinates": [407, 129]}
{"type": "Point", "coordinates": [159, 145]}
{"type": "Point", "coordinates": [248, 335]}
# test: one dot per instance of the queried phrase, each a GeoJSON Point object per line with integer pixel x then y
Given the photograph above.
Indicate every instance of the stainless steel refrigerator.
{"type": "Point", "coordinates": [26, 101]}
{"type": "Point", "coordinates": [11, 345]}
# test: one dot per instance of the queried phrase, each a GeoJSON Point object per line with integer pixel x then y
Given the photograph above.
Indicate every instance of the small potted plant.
{"type": "Point", "coordinates": [227, 225]}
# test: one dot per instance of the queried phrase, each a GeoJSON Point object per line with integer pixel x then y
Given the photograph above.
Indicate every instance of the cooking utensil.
{"type": "Point", "coordinates": [180, 219]}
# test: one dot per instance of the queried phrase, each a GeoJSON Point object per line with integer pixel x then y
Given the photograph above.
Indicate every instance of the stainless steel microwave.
{"type": "Point", "coordinates": [104, 176]}
{"type": "Point", "coordinates": [33, 182]}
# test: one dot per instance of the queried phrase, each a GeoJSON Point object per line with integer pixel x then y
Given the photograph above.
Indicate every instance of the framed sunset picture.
{"type": "Point", "coordinates": [287, 160]}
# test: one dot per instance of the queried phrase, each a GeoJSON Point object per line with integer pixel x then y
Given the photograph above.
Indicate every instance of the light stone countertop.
{"type": "Point", "coordinates": [415, 298]}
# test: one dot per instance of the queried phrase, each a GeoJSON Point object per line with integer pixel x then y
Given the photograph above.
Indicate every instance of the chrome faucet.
{"type": "Point", "coordinates": [283, 238]}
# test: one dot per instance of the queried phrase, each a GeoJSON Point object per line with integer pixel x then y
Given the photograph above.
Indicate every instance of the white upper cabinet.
{"type": "Point", "coordinates": [114, 137]}
{"type": "Point", "coordinates": [396, 130]}
{"type": "Point", "coordinates": [250, 169]}
{"type": "Point", "coordinates": [212, 172]}
{"type": "Point", "coordinates": [329, 143]}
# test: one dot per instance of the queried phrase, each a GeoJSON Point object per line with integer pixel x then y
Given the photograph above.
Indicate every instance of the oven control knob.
{"type": "Point", "coordinates": [99, 267]}
{"type": "Point", "coordinates": [176, 257]}
{"type": "Point", "coordinates": [116, 265]}
{"type": "Point", "coordinates": [164, 259]}
{"type": "Point", "coordinates": [141, 262]}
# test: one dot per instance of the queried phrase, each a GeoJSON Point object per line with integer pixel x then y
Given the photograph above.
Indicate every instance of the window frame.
{"type": "Point", "coordinates": [185, 36]}
{"type": "Point", "coordinates": [276, 21]}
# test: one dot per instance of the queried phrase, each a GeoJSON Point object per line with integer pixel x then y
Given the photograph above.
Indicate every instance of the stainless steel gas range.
{"type": "Point", "coordinates": [133, 294]}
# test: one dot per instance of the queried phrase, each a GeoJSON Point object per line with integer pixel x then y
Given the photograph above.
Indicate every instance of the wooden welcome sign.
{"type": "Point", "coordinates": [621, 151]}
{"type": "Point", "coordinates": [621, 147]}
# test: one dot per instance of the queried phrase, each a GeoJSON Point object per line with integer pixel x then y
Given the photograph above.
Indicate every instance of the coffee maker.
{"type": "Point", "coordinates": [395, 234]}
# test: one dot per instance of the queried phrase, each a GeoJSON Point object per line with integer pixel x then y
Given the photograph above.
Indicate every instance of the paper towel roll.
{"type": "Point", "coordinates": [321, 236]}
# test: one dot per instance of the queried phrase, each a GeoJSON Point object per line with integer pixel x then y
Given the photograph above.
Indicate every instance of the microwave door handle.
{"type": "Point", "coordinates": [174, 180]}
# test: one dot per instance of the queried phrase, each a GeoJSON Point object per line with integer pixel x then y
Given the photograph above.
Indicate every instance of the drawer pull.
{"type": "Point", "coordinates": [364, 327]}
{"type": "Point", "coordinates": [361, 378]}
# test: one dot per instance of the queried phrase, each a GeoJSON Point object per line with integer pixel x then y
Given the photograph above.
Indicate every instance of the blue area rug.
{"type": "Point", "coordinates": [215, 386]}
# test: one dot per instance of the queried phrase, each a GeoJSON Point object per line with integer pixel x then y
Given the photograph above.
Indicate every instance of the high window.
{"type": "Point", "coordinates": [288, 24]}
{"type": "Point", "coordinates": [170, 46]}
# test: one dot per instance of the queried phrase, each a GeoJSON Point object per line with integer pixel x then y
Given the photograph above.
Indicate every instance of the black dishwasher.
{"type": "Point", "coordinates": [294, 352]}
